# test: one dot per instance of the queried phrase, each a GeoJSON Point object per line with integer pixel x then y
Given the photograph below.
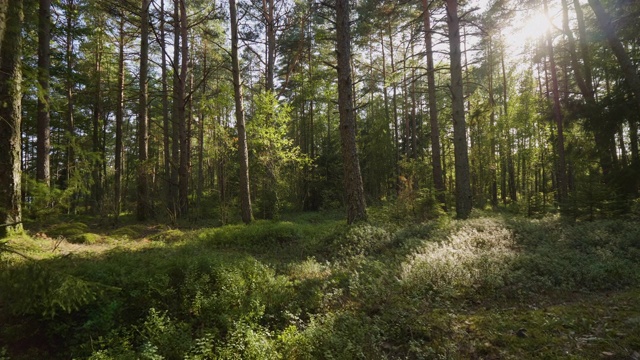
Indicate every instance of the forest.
{"type": "Point", "coordinates": [319, 179]}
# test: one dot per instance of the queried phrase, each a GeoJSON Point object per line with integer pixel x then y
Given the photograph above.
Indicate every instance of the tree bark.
{"type": "Point", "coordinates": [10, 117]}
{"type": "Point", "coordinates": [174, 208]}
{"type": "Point", "coordinates": [43, 145]}
{"type": "Point", "coordinates": [461, 153]}
{"type": "Point", "coordinates": [70, 85]}
{"type": "Point", "coordinates": [119, 121]}
{"type": "Point", "coordinates": [438, 181]}
{"type": "Point", "coordinates": [166, 123]}
{"type": "Point", "coordinates": [243, 153]}
{"type": "Point", "coordinates": [143, 209]}
{"type": "Point", "coordinates": [269, 17]}
{"type": "Point", "coordinates": [562, 172]}
{"type": "Point", "coordinates": [356, 206]}
{"type": "Point", "coordinates": [183, 170]}
{"type": "Point", "coordinates": [97, 191]}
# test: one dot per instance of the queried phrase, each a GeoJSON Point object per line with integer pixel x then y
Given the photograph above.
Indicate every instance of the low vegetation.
{"type": "Point", "coordinates": [309, 287]}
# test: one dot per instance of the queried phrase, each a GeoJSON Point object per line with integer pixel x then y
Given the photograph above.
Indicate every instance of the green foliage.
{"type": "Point", "coordinates": [44, 199]}
{"type": "Point", "coordinates": [258, 235]}
{"type": "Point", "coordinates": [35, 290]}
{"type": "Point", "coordinates": [360, 239]}
{"type": "Point", "coordinates": [474, 259]}
{"type": "Point", "coordinates": [273, 151]}
{"type": "Point", "coordinates": [310, 288]}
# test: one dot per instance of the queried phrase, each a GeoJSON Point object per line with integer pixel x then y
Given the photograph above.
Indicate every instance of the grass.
{"type": "Point", "coordinates": [309, 287]}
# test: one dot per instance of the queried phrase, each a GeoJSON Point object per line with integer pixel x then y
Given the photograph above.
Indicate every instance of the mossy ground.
{"type": "Point", "coordinates": [309, 287]}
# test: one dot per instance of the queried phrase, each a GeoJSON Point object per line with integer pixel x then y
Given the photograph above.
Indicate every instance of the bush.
{"type": "Point", "coordinates": [473, 259]}
{"type": "Point", "coordinates": [360, 239]}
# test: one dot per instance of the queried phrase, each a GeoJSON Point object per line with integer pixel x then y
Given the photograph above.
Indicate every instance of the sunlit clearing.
{"type": "Point", "coordinates": [530, 29]}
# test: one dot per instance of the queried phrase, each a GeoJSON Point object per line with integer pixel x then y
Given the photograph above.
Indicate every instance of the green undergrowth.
{"type": "Point", "coordinates": [311, 287]}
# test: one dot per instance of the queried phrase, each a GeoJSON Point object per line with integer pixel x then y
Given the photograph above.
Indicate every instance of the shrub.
{"type": "Point", "coordinates": [474, 258]}
{"type": "Point", "coordinates": [360, 239]}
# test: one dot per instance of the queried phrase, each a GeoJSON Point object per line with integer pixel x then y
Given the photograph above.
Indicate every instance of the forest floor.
{"type": "Point", "coordinates": [496, 286]}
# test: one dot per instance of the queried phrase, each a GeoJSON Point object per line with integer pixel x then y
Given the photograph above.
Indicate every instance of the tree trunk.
{"type": "Point", "coordinates": [97, 191]}
{"type": "Point", "coordinates": [70, 85]}
{"type": "Point", "coordinates": [174, 208]}
{"type": "Point", "coordinates": [461, 153]}
{"type": "Point", "coordinates": [119, 121]}
{"type": "Point", "coordinates": [143, 209]}
{"type": "Point", "coordinates": [166, 123]}
{"type": "Point", "coordinates": [513, 192]}
{"type": "Point", "coordinates": [268, 13]}
{"type": "Point", "coordinates": [356, 206]}
{"type": "Point", "coordinates": [562, 172]}
{"type": "Point", "coordinates": [493, 191]}
{"type": "Point", "coordinates": [10, 117]}
{"type": "Point", "coordinates": [245, 192]}
{"type": "Point", "coordinates": [201, 116]}
{"type": "Point", "coordinates": [183, 170]}
{"type": "Point", "coordinates": [394, 101]}
{"type": "Point", "coordinates": [43, 143]}
{"type": "Point", "coordinates": [438, 182]}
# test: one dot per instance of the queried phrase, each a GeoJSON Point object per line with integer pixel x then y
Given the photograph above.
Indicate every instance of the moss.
{"type": "Point", "coordinates": [87, 239]}
{"type": "Point", "coordinates": [169, 236]}
{"type": "Point", "coordinates": [67, 230]}
{"type": "Point", "coordinates": [128, 232]}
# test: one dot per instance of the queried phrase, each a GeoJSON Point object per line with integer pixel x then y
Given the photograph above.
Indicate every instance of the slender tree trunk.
{"type": "Point", "coordinates": [562, 172]}
{"type": "Point", "coordinates": [143, 208]}
{"type": "Point", "coordinates": [461, 153]}
{"type": "Point", "coordinates": [492, 121]}
{"type": "Point", "coordinates": [513, 192]}
{"type": "Point", "coordinates": [245, 192]}
{"type": "Point", "coordinates": [584, 46]}
{"type": "Point", "coordinates": [166, 123]}
{"type": "Point", "coordinates": [70, 84]}
{"type": "Point", "coordinates": [43, 143]}
{"type": "Point", "coordinates": [438, 182]}
{"type": "Point", "coordinates": [203, 95]}
{"type": "Point", "coordinates": [414, 116]}
{"type": "Point", "coordinates": [633, 142]}
{"type": "Point", "coordinates": [10, 116]}
{"type": "Point", "coordinates": [97, 188]}
{"type": "Point", "coordinates": [175, 114]}
{"type": "Point", "coordinates": [185, 144]}
{"type": "Point", "coordinates": [3, 21]}
{"type": "Point", "coordinates": [268, 13]}
{"type": "Point", "coordinates": [356, 206]}
{"type": "Point", "coordinates": [119, 121]}
{"type": "Point", "coordinates": [387, 111]}
{"type": "Point", "coordinates": [394, 102]}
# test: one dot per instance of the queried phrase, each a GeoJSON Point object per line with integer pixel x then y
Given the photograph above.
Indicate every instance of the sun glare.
{"type": "Point", "coordinates": [528, 30]}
